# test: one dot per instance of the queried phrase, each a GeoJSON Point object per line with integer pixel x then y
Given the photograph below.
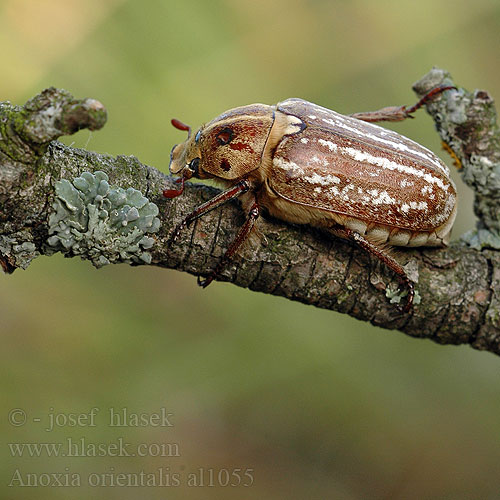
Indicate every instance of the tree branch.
{"type": "Point", "coordinates": [98, 218]}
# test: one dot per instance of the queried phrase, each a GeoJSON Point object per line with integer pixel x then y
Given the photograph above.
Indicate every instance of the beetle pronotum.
{"type": "Point", "coordinates": [309, 165]}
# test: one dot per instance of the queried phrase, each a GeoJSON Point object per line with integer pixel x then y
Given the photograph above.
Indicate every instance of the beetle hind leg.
{"type": "Point", "coordinates": [399, 113]}
{"type": "Point", "coordinates": [383, 256]}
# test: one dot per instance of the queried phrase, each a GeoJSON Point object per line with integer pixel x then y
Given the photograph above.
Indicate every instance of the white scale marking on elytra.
{"type": "Point", "coordinates": [304, 140]}
{"type": "Point", "coordinates": [345, 190]}
{"type": "Point", "coordinates": [394, 141]}
{"type": "Point", "coordinates": [288, 165]}
{"type": "Point", "coordinates": [375, 197]}
{"type": "Point", "coordinates": [325, 180]}
{"type": "Point", "coordinates": [392, 165]}
{"type": "Point", "coordinates": [450, 203]}
{"type": "Point", "coordinates": [383, 199]}
{"type": "Point", "coordinates": [422, 205]}
{"type": "Point", "coordinates": [404, 183]}
{"type": "Point", "coordinates": [321, 161]}
{"type": "Point", "coordinates": [329, 144]}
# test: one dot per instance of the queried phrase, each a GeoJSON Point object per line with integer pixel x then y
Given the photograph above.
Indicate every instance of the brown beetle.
{"type": "Point", "coordinates": [309, 165]}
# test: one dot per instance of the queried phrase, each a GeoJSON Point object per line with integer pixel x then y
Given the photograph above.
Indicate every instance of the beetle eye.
{"type": "Point", "coordinates": [193, 166]}
{"type": "Point", "coordinates": [197, 136]}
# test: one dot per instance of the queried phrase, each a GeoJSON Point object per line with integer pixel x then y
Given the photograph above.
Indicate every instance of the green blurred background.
{"type": "Point", "coordinates": [315, 404]}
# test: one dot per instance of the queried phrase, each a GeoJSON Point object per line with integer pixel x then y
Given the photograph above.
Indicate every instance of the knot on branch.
{"type": "Point", "coordinates": [55, 112]}
{"type": "Point", "coordinates": [26, 131]}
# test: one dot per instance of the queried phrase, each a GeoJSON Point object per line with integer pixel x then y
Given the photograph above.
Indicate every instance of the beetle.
{"type": "Point", "coordinates": [307, 164]}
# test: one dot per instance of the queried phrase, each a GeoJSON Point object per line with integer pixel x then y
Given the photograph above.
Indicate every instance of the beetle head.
{"type": "Point", "coordinates": [227, 148]}
{"type": "Point", "coordinates": [184, 159]}
{"type": "Point", "coordinates": [183, 155]}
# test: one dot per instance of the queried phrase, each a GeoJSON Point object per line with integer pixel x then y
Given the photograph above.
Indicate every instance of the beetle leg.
{"type": "Point", "coordinates": [399, 113]}
{"type": "Point", "coordinates": [242, 235]}
{"type": "Point", "coordinates": [389, 261]}
{"type": "Point", "coordinates": [240, 188]}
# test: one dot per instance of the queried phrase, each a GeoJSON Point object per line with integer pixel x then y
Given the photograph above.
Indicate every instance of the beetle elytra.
{"type": "Point", "coordinates": [306, 164]}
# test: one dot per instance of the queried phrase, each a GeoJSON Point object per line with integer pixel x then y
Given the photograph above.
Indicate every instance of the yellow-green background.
{"type": "Point", "coordinates": [317, 404]}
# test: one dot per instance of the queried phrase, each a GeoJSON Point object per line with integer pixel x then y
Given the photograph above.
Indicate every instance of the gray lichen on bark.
{"type": "Point", "coordinates": [467, 123]}
{"type": "Point", "coordinates": [458, 285]}
{"type": "Point", "coordinates": [100, 222]}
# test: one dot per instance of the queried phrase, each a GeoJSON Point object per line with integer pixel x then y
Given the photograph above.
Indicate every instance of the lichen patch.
{"type": "Point", "coordinates": [103, 223]}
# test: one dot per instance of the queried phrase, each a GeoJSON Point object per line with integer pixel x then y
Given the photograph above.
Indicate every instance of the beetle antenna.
{"type": "Point", "coordinates": [181, 126]}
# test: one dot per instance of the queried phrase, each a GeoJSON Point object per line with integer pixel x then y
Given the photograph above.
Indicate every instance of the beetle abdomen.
{"type": "Point", "coordinates": [362, 172]}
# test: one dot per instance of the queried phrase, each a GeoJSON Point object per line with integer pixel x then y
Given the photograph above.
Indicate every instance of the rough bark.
{"type": "Point", "coordinates": [458, 285]}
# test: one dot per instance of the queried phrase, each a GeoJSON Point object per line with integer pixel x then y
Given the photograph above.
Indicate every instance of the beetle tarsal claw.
{"type": "Point", "coordinates": [204, 282]}
{"type": "Point", "coordinates": [309, 165]}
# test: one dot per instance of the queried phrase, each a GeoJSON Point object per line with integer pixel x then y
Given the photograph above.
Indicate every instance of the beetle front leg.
{"type": "Point", "coordinates": [231, 193]}
{"type": "Point", "coordinates": [241, 237]}
{"type": "Point", "coordinates": [399, 113]}
{"type": "Point", "coordinates": [389, 261]}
